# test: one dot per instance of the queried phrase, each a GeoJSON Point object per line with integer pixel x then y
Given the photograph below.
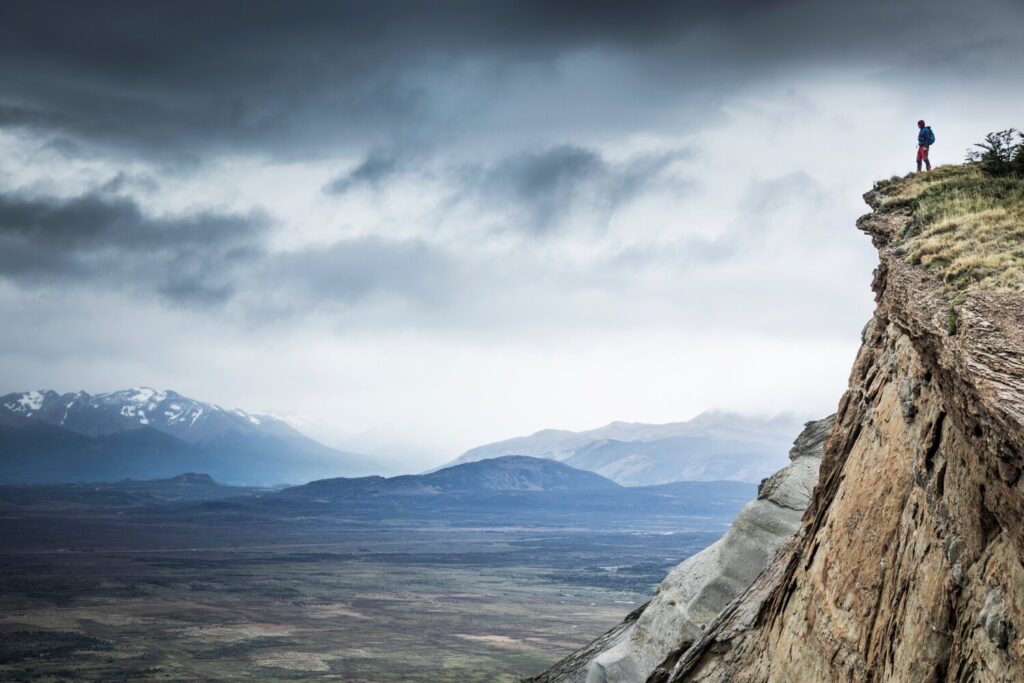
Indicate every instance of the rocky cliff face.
{"type": "Point", "coordinates": [909, 565]}
{"type": "Point", "coordinates": [698, 589]}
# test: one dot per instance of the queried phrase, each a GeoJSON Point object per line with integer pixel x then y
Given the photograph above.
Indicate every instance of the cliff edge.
{"type": "Point", "coordinates": [909, 563]}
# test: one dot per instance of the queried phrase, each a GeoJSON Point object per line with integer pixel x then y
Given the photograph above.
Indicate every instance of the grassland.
{"type": "Point", "coordinates": [966, 228]}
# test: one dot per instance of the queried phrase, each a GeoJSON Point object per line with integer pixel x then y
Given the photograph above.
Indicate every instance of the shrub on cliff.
{"type": "Point", "coordinates": [1001, 153]}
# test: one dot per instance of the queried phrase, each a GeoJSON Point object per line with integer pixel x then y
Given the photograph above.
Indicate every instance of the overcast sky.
{"type": "Point", "coordinates": [414, 227]}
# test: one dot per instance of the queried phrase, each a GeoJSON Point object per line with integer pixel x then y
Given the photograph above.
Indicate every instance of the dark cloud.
{"type": "Point", "coordinates": [98, 238]}
{"type": "Point", "coordinates": [122, 182]}
{"type": "Point", "coordinates": [190, 79]}
{"type": "Point", "coordinates": [13, 116]}
{"type": "Point", "coordinates": [204, 259]}
{"type": "Point", "coordinates": [542, 187]}
{"type": "Point", "coordinates": [538, 187]}
{"type": "Point", "coordinates": [553, 172]}
{"type": "Point", "coordinates": [65, 147]}
{"type": "Point", "coordinates": [378, 166]}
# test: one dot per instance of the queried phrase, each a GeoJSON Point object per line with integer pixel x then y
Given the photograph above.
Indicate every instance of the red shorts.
{"type": "Point", "coordinates": [922, 153]}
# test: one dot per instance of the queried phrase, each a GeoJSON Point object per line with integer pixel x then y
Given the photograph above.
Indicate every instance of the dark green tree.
{"type": "Point", "coordinates": [1001, 153]}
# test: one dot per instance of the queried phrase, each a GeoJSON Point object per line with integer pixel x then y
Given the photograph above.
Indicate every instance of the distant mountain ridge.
{"type": "Point", "coordinates": [510, 490]}
{"type": "Point", "coordinates": [186, 487]}
{"type": "Point", "coordinates": [511, 473]}
{"type": "Point", "coordinates": [712, 446]}
{"type": "Point", "coordinates": [47, 437]}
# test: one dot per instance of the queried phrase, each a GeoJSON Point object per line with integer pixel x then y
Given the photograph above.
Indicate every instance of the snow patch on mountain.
{"type": "Point", "coordinates": [27, 403]}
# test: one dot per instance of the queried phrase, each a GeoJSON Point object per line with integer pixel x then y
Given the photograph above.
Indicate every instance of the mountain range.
{"type": "Point", "coordinates": [141, 433]}
{"type": "Point", "coordinates": [502, 492]}
{"type": "Point", "coordinates": [51, 438]}
{"type": "Point", "coordinates": [184, 488]}
{"type": "Point", "coordinates": [503, 474]}
{"type": "Point", "coordinates": [712, 446]}
{"type": "Point", "coordinates": [506, 491]}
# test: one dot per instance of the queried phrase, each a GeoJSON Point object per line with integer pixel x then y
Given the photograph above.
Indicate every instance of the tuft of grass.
{"type": "Point", "coordinates": [966, 227]}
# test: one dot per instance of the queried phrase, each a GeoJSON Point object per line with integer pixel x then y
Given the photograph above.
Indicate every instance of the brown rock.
{"type": "Point", "coordinates": [910, 562]}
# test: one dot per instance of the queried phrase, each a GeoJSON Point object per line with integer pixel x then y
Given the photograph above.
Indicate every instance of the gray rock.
{"type": "Point", "coordinates": [698, 589]}
{"type": "Point", "coordinates": [908, 392]}
{"type": "Point", "coordinates": [994, 620]}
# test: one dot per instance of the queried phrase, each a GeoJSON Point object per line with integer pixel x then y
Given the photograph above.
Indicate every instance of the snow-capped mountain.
{"type": "Point", "coordinates": [166, 411]}
{"type": "Point", "coordinates": [172, 430]}
{"type": "Point", "coordinates": [712, 446]}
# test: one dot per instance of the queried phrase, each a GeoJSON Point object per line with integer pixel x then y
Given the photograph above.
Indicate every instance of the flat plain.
{"type": "Point", "coordinates": [211, 592]}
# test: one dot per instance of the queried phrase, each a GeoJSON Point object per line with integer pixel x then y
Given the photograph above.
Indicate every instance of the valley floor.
{"type": "Point", "coordinates": [115, 595]}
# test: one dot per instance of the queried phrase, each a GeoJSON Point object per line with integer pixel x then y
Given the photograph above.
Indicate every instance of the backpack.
{"type": "Point", "coordinates": [931, 136]}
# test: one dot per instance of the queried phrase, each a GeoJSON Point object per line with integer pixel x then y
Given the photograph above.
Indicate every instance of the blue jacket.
{"type": "Point", "coordinates": [924, 137]}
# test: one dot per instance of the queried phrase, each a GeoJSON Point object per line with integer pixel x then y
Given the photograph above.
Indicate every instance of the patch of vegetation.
{"type": "Point", "coordinates": [1002, 153]}
{"type": "Point", "coordinates": [966, 227]}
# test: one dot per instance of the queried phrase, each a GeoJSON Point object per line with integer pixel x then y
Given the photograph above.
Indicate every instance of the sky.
{"type": "Point", "coordinates": [412, 228]}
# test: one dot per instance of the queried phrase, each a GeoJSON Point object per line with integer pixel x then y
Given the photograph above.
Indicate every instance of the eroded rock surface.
{"type": "Point", "coordinates": [909, 565]}
{"type": "Point", "coordinates": [699, 588]}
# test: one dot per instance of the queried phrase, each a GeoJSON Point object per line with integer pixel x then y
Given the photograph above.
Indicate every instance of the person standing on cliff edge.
{"type": "Point", "coordinates": [925, 139]}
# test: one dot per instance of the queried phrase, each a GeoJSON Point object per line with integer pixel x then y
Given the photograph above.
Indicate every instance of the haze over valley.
{"type": "Point", "coordinates": [558, 532]}
{"type": "Point", "coordinates": [142, 433]}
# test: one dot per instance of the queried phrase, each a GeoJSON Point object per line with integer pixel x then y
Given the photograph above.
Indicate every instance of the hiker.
{"type": "Point", "coordinates": [925, 139]}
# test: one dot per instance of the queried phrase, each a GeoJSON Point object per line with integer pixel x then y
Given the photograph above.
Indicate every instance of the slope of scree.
{"type": "Point", "coordinates": [697, 590]}
{"type": "Point", "coordinates": [909, 565]}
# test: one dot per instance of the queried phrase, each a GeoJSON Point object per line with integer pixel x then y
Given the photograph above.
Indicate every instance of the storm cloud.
{"type": "Point", "coordinates": [457, 221]}
{"type": "Point", "coordinates": [184, 80]}
{"type": "Point", "coordinates": [203, 258]}
{"type": "Point", "coordinates": [187, 259]}
{"type": "Point", "coordinates": [378, 166]}
{"type": "Point", "coordinates": [541, 187]}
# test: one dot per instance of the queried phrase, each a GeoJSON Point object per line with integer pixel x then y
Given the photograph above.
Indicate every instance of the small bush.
{"type": "Point", "coordinates": [1001, 154]}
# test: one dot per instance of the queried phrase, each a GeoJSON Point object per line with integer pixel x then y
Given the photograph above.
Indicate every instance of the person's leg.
{"type": "Point", "coordinates": [927, 161]}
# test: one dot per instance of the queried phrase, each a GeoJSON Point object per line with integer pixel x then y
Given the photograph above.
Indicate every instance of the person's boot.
{"type": "Point", "coordinates": [928, 165]}
{"type": "Point", "coordinates": [919, 167]}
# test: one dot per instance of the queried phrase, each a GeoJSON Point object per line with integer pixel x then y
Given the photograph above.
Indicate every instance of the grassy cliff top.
{"type": "Point", "coordinates": [966, 228]}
